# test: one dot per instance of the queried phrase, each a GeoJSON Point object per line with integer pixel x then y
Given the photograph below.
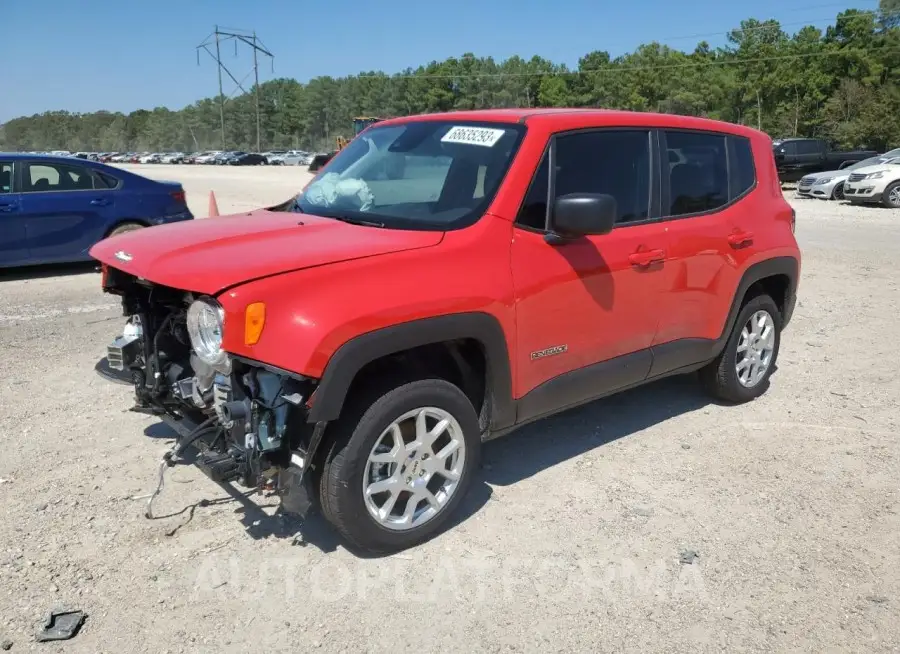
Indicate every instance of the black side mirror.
{"type": "Point", "coordinates": [583, 214]}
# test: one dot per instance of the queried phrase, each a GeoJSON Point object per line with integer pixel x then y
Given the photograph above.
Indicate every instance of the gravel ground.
{"type": "Point", "coordinates": [652, 521]}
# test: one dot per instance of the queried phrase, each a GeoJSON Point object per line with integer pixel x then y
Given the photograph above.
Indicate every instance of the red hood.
{"type": "Point", "coordinates": [210, 255]}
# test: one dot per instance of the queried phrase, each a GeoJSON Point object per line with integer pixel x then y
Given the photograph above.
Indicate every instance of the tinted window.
{"type": "Point", "coordinates": [105, 181]}
{"type": "Point", "coordinates": [698, 172]}
{"type": "Point", "coordinates": [808, 147]}
{"type": "Point", "coordinates": [743, 172]}
{"type": "Point", "coordinates": [787, 148]}
{"type": "Point", "coordinates": [534, 209]}
{"type": "Point", "coordinates": [57, 177]}
{"type": "Point", "coordinates": [615, 163]}
{"type": "Point", "coordinates": [6, 177]}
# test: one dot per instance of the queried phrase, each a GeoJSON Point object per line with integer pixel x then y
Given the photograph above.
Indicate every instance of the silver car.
{"type": "Point", "coordinates": [829, 185]}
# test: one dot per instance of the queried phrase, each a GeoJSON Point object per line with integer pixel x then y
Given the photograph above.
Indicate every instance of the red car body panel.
{"type": "Point", "coordinates": [224, 251]}
{"type": "Point", "coordinates": [325, 282]}
{"type": "Point", "coordinates": [318, 310]}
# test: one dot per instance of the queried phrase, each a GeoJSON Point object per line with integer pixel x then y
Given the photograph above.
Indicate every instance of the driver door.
{"type": "Point", "coordinates": [587, 309]}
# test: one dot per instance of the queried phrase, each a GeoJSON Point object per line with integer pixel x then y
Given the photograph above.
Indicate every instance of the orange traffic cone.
{"type": "Point", "coordinates": [213, 206]}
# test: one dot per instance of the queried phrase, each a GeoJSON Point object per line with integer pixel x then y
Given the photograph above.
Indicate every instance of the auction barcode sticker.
{"type": "Point", "coordinates": [484, 136]}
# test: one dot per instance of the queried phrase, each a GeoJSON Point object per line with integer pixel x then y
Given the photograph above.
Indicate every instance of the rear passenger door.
{"type": "Point", "coordinates": [13, 248]}
{"type": "Point", "coordinates": [67, 208]}
{"type": "Point", "coordinates": [704, 189]}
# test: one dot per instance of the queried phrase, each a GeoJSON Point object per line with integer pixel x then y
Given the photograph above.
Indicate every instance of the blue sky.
{"type": "Point", "coordinates": [129, 54]}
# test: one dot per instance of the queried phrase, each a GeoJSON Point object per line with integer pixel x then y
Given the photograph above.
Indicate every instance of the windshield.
{"type": "Point", "coordinates": [871, 161]}
{"type": "Point", "coordinates": [429, 175]}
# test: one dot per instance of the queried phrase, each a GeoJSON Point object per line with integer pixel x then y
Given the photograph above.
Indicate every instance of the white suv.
{"type": "Point", "coordinates": [878, 183]}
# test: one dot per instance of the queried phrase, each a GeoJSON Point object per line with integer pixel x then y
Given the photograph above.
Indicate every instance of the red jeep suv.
{"type": "Point", "coordinates": [443, 280]}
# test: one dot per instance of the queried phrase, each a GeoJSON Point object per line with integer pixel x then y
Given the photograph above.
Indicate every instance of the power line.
{"type": "Point", "coordinates": [220, 35]}
{"type": "Point", "coordinates": [622, 67]}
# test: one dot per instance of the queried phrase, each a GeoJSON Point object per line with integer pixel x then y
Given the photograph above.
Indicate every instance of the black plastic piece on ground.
{"type": "Point", "coordinates": [61, 625]}
{"type": "Point", "coordinates": [115, 376]}
{"type": "Point", "coordinates": [221, 468]}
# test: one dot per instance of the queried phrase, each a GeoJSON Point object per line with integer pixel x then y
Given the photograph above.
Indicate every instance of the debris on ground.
{"type": "Point", "coordinates": [61, 625]}
{"type": "Point", "coordinates": [6, 645]}
{"type": "Point", "coordinates": [688, 557]}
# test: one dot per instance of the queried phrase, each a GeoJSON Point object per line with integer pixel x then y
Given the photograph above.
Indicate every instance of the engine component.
{"type": "Point", "coordinates": [220, 467]}
{"type": "Point", "coordinates": [273, 410]}
{"type": "Point", "coordinates": [124, 351]}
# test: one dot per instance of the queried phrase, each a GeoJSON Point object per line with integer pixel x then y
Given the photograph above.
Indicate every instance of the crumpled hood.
{"type": "Point", "coordinates": [212, 254]}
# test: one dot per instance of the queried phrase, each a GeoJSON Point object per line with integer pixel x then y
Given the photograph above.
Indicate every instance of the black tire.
{"type": "Point", "coordinates": [886, 196]}
{"type": "Point", "coordinates": [720, 378]}
{"type": "Point", "coordinates": [355, 433]}
{"type": "Point", "coordinates": [837, 192]}
{"type": "Point", "coordinates": [125, 227]}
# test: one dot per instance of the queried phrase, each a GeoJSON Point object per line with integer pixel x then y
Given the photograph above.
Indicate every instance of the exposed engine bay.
{"type": "Point", "coordinates": [247, 420]}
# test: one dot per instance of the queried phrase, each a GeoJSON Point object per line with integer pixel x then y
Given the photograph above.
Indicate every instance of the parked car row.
{"type": "Point", "coordinates": [212, 157]}
{"type": "Point", "coordinates": [874, 180]}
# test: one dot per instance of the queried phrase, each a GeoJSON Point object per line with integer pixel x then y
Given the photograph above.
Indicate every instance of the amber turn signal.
{"type": "Point", "coordinates": [254, 321]}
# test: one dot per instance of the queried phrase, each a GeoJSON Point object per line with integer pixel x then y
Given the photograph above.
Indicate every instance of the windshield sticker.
{"type": "Point", "coordinates": [484, 136]}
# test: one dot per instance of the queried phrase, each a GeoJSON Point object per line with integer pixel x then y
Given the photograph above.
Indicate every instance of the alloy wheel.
{"type": "Point", "coordinates": [755, 349]}
{"type": "Point", "coordinates": [414, 468]}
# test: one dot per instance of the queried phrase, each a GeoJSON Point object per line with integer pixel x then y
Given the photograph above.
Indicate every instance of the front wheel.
{"type": "Point", "coordinates": [399, 465]}
{"type": "Point", "coordinates": [891, 196]}
{"type": "Point", "coordinates": [741, 371]}
{"type": "Point", "coordinates": [838, 192]}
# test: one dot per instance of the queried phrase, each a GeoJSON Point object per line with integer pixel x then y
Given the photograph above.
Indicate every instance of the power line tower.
{"type": "Point", "coordinates": [217, 38]}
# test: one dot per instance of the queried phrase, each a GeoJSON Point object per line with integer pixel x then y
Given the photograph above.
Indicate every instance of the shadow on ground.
{"type": "Point", "coordinates": [506, 461]}
{"type": "Point", "coordinates": [47, 270]}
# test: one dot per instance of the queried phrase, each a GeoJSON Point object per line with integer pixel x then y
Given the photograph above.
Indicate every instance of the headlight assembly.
{"type": "Point", "coordinates": [205, 324]}
{"type": "Point", "coordinates": [874, 175]}
{"type": "Point", "coordinates": [824, 180]}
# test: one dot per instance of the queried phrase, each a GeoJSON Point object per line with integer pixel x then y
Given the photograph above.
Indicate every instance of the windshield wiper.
{"type": "Point", "coordinates": [356, 221]}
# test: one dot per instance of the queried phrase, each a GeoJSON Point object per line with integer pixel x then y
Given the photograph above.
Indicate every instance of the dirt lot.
{"type": "Point", "coordinates": [571, 540]}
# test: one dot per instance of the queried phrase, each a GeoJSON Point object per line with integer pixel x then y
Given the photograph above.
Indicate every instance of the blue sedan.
{"type": "Point", "coordinates": [53, 209]}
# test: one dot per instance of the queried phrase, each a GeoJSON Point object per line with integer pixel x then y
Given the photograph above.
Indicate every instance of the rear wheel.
{"type": "Point", "coordinates": [125, 227]}
{"type": "Point", "coordinates": [400, 463]}
{"type": "Point", "coordinates": [741, 371]}
{"type": "Point", "coordinates": [891, 197]}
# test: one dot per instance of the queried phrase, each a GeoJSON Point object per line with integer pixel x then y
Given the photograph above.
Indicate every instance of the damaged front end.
{"type": "Point", "coordinates": [247, 420]}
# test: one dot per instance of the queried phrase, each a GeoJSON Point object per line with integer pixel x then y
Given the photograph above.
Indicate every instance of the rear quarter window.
{"type": "Point", "coordinates": [743, 168]}
{"type": "Point", "coordinates": [104, 181]}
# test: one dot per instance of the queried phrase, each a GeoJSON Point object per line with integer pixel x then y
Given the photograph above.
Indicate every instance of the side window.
{"type": "Point", "coordinates": [534, 210]}
{"type": "Point", "coordinates": [104, 181]}
{"type": "Point", "coordinates": [699, 181]}
{"type": "Point", "coordinates": [743, 171]}
{"type": "Point", "coordinates": [6, 169]}
{"type": "Point", "coordinates": [56, 177]}
{"type": "Point", "coordinates": [611, 162]}
{"type": "Point", "coordinates": [807, 147]}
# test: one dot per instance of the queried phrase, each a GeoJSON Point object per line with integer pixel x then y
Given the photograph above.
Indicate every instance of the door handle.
{"type": "Point", "coordinates": [8, 207]}
{"type": "Point", "coordinates": [99, 202]}
{"type": "Point", "coordinates": [740, 239]}
{"type": "Point", "coordinates": [646, 257]}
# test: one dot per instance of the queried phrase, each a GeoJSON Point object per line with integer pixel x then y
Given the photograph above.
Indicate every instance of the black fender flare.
{"type": "Point", "coordinates": [788, 266]}
{"type": "Point", "coordinates": [350, 358]}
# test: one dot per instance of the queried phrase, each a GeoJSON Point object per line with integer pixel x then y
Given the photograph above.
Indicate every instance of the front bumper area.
{"type": "Point", "coordinates": [248, 424]}
{"type": "Point", "coordinates": [863, 192]}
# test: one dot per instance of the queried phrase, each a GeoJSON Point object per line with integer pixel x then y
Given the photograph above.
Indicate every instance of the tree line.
{"type": "Point", "coordinates": [840, 83]}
